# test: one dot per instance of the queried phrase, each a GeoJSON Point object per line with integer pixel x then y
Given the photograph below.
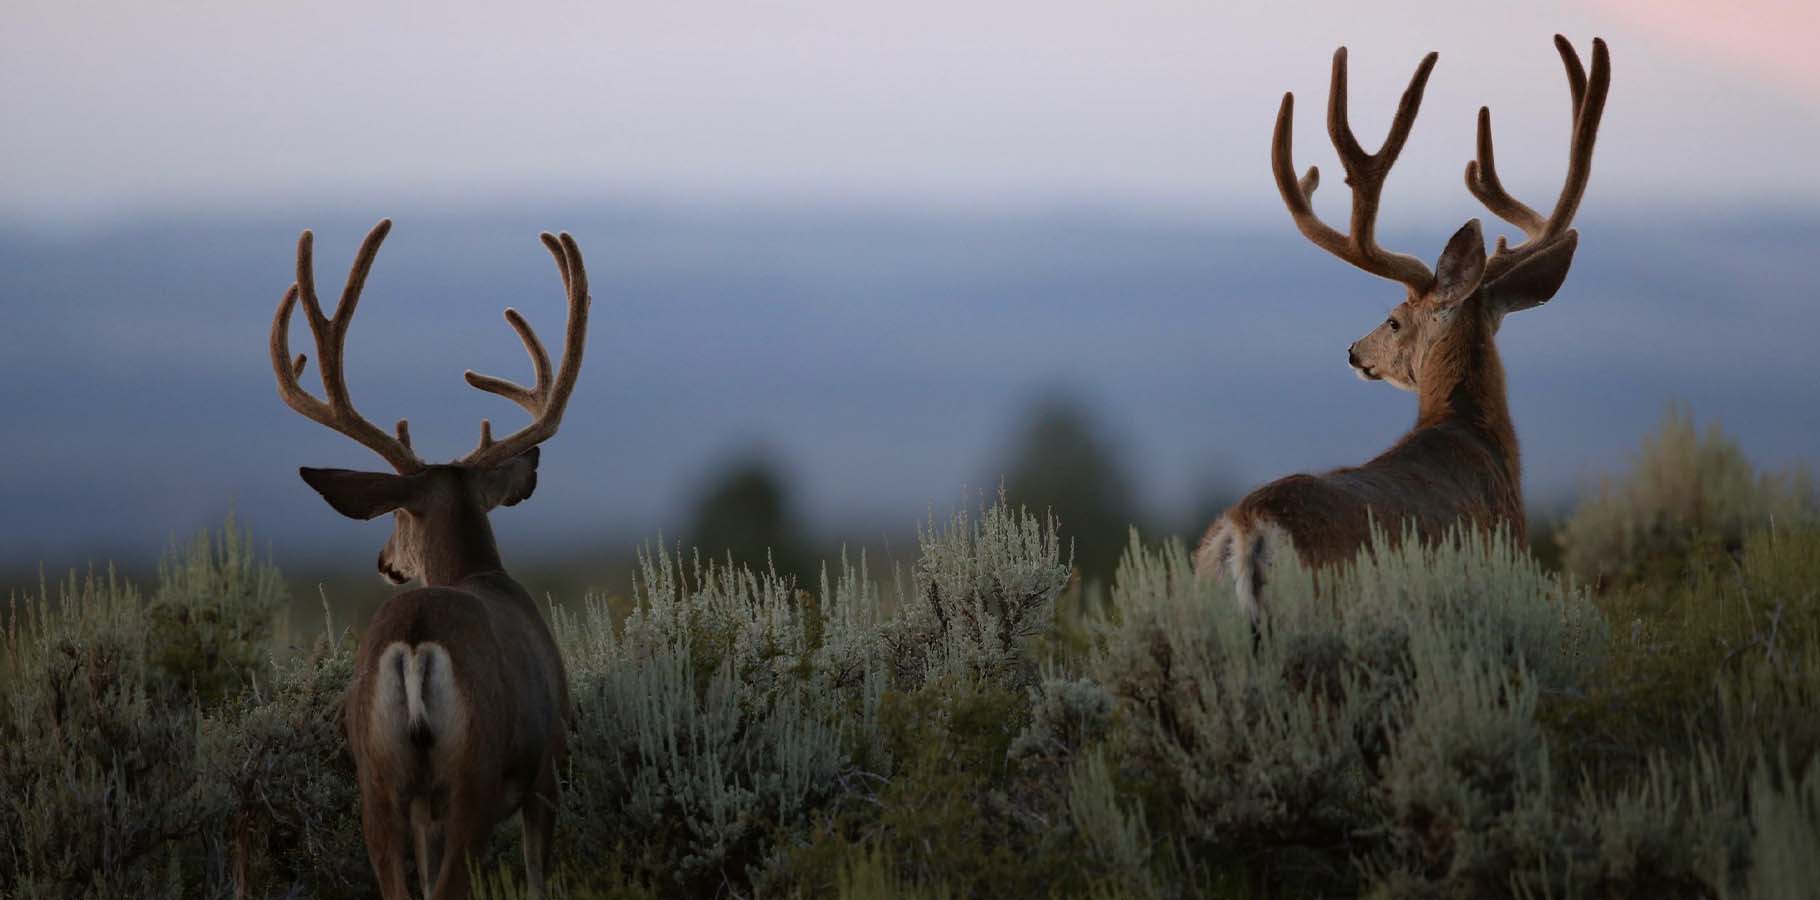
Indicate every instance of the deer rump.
{"type": "Point", "coordinates": [430, 710]}
{"type": "Point", "coordinates": [1436, 479]}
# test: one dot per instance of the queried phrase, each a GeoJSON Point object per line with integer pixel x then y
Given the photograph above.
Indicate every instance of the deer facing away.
{"type": "Point", "coordinates": [1459, 463]}
{"type": "Point", "coordinates": [456, 716]}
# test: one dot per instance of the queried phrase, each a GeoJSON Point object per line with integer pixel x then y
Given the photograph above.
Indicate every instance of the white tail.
{"type": "Point", "coordinates": [1243, 555]}
{"type": "Point", "coordinates": [426, 707]}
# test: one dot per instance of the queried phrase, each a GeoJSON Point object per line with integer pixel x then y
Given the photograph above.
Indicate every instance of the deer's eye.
{"type": "Point", "coordinates": [1393, 323]}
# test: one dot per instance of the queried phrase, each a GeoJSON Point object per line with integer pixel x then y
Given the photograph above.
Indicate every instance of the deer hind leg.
{"type": "Point", "coordinates": [428, 834]}
{"type": "Point", "coordinates": [538, 815]}
{"type": "Point", "coordinates": [386, 830]}
{"type": "Point", "coordinates": [465, 826]}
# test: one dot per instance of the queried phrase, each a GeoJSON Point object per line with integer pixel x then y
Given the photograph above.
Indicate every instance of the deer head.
{"type": "Point", "coordinates": [1465, 285]}
{"type": "Point", "coordinates": [440, 532]}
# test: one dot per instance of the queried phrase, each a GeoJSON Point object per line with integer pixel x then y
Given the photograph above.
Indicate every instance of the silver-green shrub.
{"type": "Point", "coordinates": [1392, 699]}
{"type": "Point", "coordinates": [698, 722]}
{"type": "Point", "coordinates": [1432, 721]}
{"type": "Point", "coordinates": [1785, 820]}
{"type": "Point", "coordinates": [728, 707]}
{"type": "Point", "coordinates": [1112, 825]}
{"type": "Point", "coordinates": [980, 589]}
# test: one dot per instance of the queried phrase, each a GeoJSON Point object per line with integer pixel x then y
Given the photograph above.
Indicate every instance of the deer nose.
{"type": "Point", "coordinates": [1352, 357]}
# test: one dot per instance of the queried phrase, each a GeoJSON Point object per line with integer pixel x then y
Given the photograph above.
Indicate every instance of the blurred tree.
{"type": "Point", "coordinates": [1215, 491]}
{"type": "Point", "coordinates": [1061, 461]}
{"type": "Point", "coordinates": [746, 511]}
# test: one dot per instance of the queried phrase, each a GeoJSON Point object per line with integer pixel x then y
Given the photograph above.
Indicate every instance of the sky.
{"type": "Point", "coordinates": [119, 108]}
{"type": "Point", "coordinates": [860, 237]}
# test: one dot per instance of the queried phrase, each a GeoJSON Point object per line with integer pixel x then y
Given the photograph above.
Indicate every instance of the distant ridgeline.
{"type": "Point", "coordinates": [1149, 300]}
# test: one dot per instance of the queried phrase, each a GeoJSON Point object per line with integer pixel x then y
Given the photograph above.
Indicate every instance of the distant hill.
{"type": "Point", "coordinates": [886, 358]}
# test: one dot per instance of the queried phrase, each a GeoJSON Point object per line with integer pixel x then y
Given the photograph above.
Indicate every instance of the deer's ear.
{"type": "Point", "coordinates": [362, 495]}
{"type": "Point", "coordinates": [1461, 266]}
{"type": "Point", "coordinates": [509, 482]}
{"type": "Point", "coordinates": [1535, 280]}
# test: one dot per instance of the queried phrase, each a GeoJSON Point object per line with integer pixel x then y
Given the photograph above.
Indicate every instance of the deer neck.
{"type": "Point", "coordinates": [459, 547]}
{"type": "Point", "coordinates": [1462, 384]}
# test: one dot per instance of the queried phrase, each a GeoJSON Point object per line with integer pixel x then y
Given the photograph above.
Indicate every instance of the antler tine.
{"type": "Point", "coordinates": [289, 371]}
{"type": "Point", "coordinates": [1588, 92]}
{"type": "Point", "coordinates": [357, 275]}
{"type": "Point", "coordinates": [1310, 181]}
{"type": "Point", "coordinates": [1407, 107]}
{"type": "Point", "coordinates": [550, 397]}
{"type": "Point", "coordinates": [1591, 109]}
{"type": "Point", "coordinates": [1576, 74]}
{"type": "Point", "coordinates": [329, 362]}
{"type": "Point", "coordinates": [531, 399]}
{"type": "Point", "coordinates": [1482, 180]}
{"type": "Point", "coordinates": [552, 244]}
{"type": "Point", "coordinates": [337, 410]}
{"type": "Point", "coordinates": [1297, 194]}
{"type": "Point", "coordinates": [306, 280]}
{"type": "Point", "coordinates": [1365, 173]}
{"type": "Point", "coordinates": [1339, 126]}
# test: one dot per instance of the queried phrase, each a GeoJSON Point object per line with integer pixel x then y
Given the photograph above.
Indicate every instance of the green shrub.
{"type": "Point", "coordinates": [96, 764]}
{"type": "Point", "coordinates": [277, 766]}
{"type": "Point", "coordinates": [1687, 497]}
{"type": "Point", "coordinates": [1729, 653]}
{"type": "Point", "coordinates": [211, 620]}
{"type": "Point", "coordinates": [98, 741]}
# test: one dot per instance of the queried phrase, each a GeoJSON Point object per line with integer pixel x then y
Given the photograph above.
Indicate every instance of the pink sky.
{"type": "Point", "coordinates": [1775, 39]}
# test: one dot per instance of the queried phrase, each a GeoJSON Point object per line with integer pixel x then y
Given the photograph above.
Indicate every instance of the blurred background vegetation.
{"type": "Point", "coordinates": [1057, 456]}
{"type": "Point", "coordinates": [1688, 496]}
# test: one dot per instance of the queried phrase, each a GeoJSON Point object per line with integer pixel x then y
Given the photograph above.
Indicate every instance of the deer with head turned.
{"type": "Point", "coordinates": [1459, 464]}
{"type": "Point", "coordinates": [456, 715]}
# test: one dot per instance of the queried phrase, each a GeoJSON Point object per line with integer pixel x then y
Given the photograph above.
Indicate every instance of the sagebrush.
{"type": "Point", "coordinates": [1443, 720]}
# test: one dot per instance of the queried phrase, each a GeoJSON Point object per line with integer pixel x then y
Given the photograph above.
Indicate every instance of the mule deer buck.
{"type": "Point", "coordinates": [457, 710]}
{"type": "Point", "coordinates": [1459, 462]}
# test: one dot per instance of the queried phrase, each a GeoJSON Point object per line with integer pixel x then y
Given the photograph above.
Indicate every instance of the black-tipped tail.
{"type": "Point", "coordinates": [422, 736]}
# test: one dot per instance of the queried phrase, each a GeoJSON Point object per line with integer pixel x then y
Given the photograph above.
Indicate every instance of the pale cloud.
{"type": "Point", "coordinates": [112, 107]}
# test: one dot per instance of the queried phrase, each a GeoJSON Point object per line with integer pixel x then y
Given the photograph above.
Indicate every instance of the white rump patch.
{"type": "Point", "coordinates": [1242, 555]}
{"type": "Point", "coordinates": [415, 702]}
